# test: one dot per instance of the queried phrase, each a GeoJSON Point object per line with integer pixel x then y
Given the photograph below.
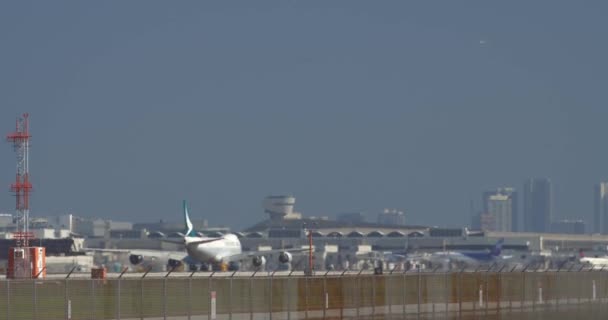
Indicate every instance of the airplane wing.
{"type": "Point", "coordinates": [206, 240]}
{"type": "Point", "coordinates": [146, 254]}
{"type": "Point", "coordinates": [250, 254]}
{"type": "Point", "coordinates": [182, 242]}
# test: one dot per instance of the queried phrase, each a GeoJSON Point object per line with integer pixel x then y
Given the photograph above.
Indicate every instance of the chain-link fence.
{"type": "Point", "coordinates": [411, 295]}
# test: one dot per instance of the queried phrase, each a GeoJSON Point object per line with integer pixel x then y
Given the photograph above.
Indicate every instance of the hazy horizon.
{"type": "Point", "coordinates": [347, 105]}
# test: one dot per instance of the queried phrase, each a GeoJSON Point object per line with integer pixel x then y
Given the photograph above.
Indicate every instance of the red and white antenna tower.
{"type": "Point", "coordinates": [22, 186]}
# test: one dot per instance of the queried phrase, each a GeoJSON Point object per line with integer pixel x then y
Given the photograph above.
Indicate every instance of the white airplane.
{"type": "Point", "coordinates": [218, 251]}
{"type": "Point", "coordinates": [595, 262]}
{"type": "Point", "coordinates": [600, 262]}
{"type": "Point", "coordinates": [468, 258]}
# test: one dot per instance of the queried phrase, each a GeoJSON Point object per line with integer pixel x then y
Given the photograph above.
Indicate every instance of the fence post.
{"type": "Point", "coordinates": [344, 298]}
{"type": "Point", "coordinates": [289, 297]}
{"type": "Point", "coordinates": [459, 287]}
{"type": "Point", "coordinates": [118, 311]}
{"type": "Point", "coordinates": [306, 298]}
{"type": "Point", "coordinates": [34, 298]}
{"type": "Point", "coordinates": [141, 297]}
{"type": "Point", "coordinates": [558, 291]}
{"type": "Point", "coordinates": [93, 300]}
{"type": "Point", "coordinates": [141, 293]}
{"type": "Point", "coordinates": [605, 287]}
{"type": "Point", "coordinates": [498, 285]}
{"type": "Point", "coordinates": [251, 296]}
{"type": "Point", "coordinates": [325, 296]}
{"type": "Point", "coordinates": [209, 293]}
{"type": "Point", "coordinates": [190, 297]}
{"type": "Point", "coordinates": [270, 297]}
{"type": "Point", "coordinates": [165, 291]}
{"type": "Point", "coordinates": [523, 289]}
{"type": "Point", "coordinates": [358, 291]}
{"type": "Point", "coordinates": [419, 291]}
{"type": "Point", "coordinates": [510, 294]}
{"type": "Point", "coordinates": [390, 300]}
{"type": "Point", "coordinates": [580, 289]}
{"type": "Point", "coordinates": [230, 298]}
{"type": "Point", "coordinates": [8, 299]}
{"type": "Point", "coordinates": [68, 306]}
{"type": "Point", "coordinates": [165, 298]}
{"type": "Point", "coordinates": [66, 298]}
{"type": "Point", "coordinates": [404, 292]}
{"type": "Point", "coordinates": [487, 293]}
{"type": "Point", "coordinates": [373, 296]}
{"type": "Point", "coordinates": [190, 293]}
{"type": "Point", "coordinates": [390, 285]}
{"type": "Point", "coordinates": [119, 281]}
{"type": "Point", "coordinates": [447, 295]}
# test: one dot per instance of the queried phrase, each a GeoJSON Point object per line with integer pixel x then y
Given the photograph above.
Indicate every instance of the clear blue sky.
{"type": "Point", "coordinates": [350, 106]}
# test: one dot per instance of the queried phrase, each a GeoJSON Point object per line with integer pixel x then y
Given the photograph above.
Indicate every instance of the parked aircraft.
{"type": "Point", "coordinates": [468, 258]}
{"type": "Point", "coordinates": [600, 262]}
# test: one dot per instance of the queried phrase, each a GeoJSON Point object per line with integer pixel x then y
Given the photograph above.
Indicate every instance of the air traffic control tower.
{"type": "Point", "coordinates": [281, 208]}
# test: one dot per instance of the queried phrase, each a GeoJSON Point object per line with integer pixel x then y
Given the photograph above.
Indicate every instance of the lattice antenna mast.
{"type": "Point", "coordinates": [22, 186]}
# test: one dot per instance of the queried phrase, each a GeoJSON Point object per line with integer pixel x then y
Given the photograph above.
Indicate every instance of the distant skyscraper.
{"type": "Point", "coordinates": [351, 217]}
{"type": "Point", "coordinates": [568, 226]}
{"type": "Point", "coordinates": [476, 221]}
{"type": "Point", "coordinates": [392, 217]}
{"type": "Point", "coordinates": [501, 205]}
{"type": "Point", "coordinates": [600, 194]}
{"type": "Point", "coordinates": [538, 205]}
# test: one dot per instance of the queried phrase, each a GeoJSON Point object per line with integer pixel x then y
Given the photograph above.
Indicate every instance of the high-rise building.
{"type": "Point", "coordinates": [351, 217]}
{"type": "Point", "coordinates": [501, 205]}
{"type": "Point", "coordinates": [538, 205]}
{"type": "Point", "coordinates": [568, 226]}
{"type": "Point", "coordinates": [392, 217]}
{"type": "Point", "coordinates": [476, 221]}
{"type": "Point", "coordinates": [600, 216]}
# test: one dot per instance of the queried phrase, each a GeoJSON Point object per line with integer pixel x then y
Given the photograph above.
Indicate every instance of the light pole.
{"type": "Point", "coordinates": [310, 270]}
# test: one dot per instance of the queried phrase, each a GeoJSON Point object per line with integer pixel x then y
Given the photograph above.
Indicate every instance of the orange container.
{"type": "Point", "coordinates": [38, 255]}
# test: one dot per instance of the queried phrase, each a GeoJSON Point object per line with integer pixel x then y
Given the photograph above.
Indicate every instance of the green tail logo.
{"type": "Point", "coordinates": [189, 226]}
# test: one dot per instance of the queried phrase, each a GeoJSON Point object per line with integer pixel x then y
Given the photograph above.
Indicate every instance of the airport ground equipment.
{"type": "Point", "coordinates": [486, 294]}
{"type": "Point", "coordinates": [99, 273]}
{"type": "Point", "coordinates": [26, 262]}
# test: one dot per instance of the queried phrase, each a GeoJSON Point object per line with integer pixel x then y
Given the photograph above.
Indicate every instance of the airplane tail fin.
{"type": "Point", "coordinates": [189, 226]}
{"type": "Point", "coordinates": [498, 247]}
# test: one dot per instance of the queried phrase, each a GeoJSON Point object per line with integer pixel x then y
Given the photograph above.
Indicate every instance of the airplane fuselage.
{"type": "Point", "coordinates": [603, 262]}
{"type": "Point", "coordinates": [216, 251]}
{"type": "Point", "coordinates": [470, 258]}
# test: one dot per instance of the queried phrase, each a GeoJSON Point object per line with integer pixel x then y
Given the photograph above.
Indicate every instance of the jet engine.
{"type": "Point", "coordinates": [285, 257]}
{"type": "Point", "coordinates": [258, 261]}
{"type": "Point", "coordinates": [233, 266]}
{"type": "Point", "coordinates": [136, 259]}
{"type": "Point", "coordinates": [174, 263]}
